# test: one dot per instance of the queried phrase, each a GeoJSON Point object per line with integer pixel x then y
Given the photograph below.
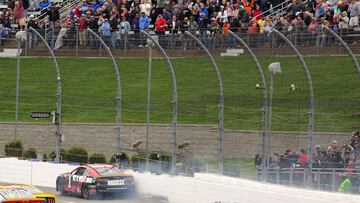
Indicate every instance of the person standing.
{"type": "Point", "coordinates": [105, 31]}
{"type": "Point", "coordinates": [203, 25]}
{"type": "Point", "coordinates": [53, 14]}
{"type": "Point", "coordinates": [83, 24]}
{"type": "Point", "coordinates": [19, 13]}
{"type": "Point", "coordinates": [354, 8]}
{"type": "Point", "coordinates": [144, 23]}
{"type": "Point", "coordinates": [174, 25]}
{"type": "Point", "coordinates": [94, 26]}
{"type": "Point", "coordinates": [114, 24]}
{"type": "Point", "coordinates": [135, 26]}
{"type": "Point", "coordinates": [33, 23]}
{"type": "Point", "coordinates": [146, 7]}
{"type": "Point", "coordinates": [124, 32]}
{"type": "Point", "coordinates": [160, 26]}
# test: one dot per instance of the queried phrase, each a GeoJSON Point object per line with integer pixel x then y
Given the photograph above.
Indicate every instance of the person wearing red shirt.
{"type": "Point", "coordinates": [83, 24]}
{"type": "Point", "coordinates": [303, 159]}
{"type": "Point", "coordinates": [160, 25]}
{"type": "Point", "coordinates": [256, 12]}
{"type": "Point", "coordinates": [248, 5]}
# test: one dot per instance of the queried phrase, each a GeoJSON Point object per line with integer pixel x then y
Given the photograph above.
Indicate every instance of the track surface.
{"type": "Point", "coordinates": [74, 199]}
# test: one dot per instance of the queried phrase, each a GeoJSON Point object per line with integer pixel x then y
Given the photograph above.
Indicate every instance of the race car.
{"type": "Point", "coordinates": [92, 179]}
{"type": "Point", "coordinates": [13, 195]}
{"type": "Point", "coordinates": [24, 193]}
{"type": "Point", "coordinates": [22, 200]}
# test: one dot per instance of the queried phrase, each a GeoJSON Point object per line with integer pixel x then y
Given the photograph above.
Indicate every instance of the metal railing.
{"type": "Point", "coordinates": [65, 7]}
{"type": "Point", "coordinates": [327, 179]}
{"type": "Point", "coordinates": [278, 10]}
{"type": "Point", "coordinates": [123, 43]}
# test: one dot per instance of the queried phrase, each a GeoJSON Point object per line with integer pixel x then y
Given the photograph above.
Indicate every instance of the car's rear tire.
{"type": "Point", "coordinates": [60, 185]}
{"type": "Point", "coordinates": [85, 193]}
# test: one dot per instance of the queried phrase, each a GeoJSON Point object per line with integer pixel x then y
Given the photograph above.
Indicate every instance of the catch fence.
{"type": "Point", "coordinates": [89, 97]}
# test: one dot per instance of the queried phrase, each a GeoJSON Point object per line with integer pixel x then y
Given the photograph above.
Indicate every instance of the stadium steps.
{"type": "Point", "coordinates": [232, 52]}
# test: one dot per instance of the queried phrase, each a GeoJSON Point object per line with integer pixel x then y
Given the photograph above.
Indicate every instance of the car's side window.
{"type": "Point", "coordinates": [86, 172]}
{"type": "Point", "coordinates": [80, 171]}
{"type": "Point", "coordinates": [74, 171]}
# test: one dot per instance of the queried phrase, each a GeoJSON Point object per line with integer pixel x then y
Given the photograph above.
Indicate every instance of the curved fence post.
{"type": "Point", "coordinates": [174, 101]}
{"type": "Point", "coordinates": [118, 90]}
{"type": "Point", "coordinates": [264, 99]}
{"type": "Point", "coordinates": [311, 104]}
{"type": "Point", "coordinates": [221, 102]}
{"type": "Point", "coordinates": [355, 62]}
{"type": "Point", "coordinates": [58, 97]}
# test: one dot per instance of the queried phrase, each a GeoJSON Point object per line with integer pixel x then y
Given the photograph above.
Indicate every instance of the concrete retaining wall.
{"type": "Point", "coordinates": [203, 139]}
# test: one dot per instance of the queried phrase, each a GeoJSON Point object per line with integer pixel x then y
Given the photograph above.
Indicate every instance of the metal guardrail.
{"type": "Point", "coordinates": [327, 179]}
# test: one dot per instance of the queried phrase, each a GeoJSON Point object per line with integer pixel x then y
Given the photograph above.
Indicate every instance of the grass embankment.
{"type": "Point", "coordinates": [89, 91]}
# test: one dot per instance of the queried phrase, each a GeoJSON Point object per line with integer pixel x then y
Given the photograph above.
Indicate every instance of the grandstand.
{"type": "Point", "coordinates": [61, 22]}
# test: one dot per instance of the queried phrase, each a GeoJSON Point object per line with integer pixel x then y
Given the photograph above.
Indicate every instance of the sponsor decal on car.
{"type": "Point", "coordinates": [116, 182]}
{"type": "Point", "coordinates": [90, 180]}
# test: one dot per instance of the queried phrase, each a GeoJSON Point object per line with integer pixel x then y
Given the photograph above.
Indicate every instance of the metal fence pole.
{"type": "Point", "coordinates": [291, 176]}
{"type": "Point", "coordinates": [355, 62]}
{"type": "Point", "coordinates": [118, 90]}
{"type": "Point", "coordinates": [52, 36]}
{"type": "Point", "coordinates": [148, 109]}
{"type": "Point", "coordinates": [269, 121]}
{"type": "Point", "coordinates": [77, 42]}
{"type": "Point", "coordinates": [17, 88]}
{"type": "Point", "coordinates": [174, 101]}
{"type": "Point", "coordinates": [221, 103]}
{"type": "Point", "coordinates": [126, 38]}
{"type": "Point", "coordinates": [318, 179]}
{"type": "Point", "coordinates": [58, 97]}
{"type": "Point", "coordinates": [263, 91]}
{"type": "Point", "coordinates": [333, 181]}
{"type": "Point", "coordinates": [311, 104]}
{"type": "Point", "coordinates": [26, 42]}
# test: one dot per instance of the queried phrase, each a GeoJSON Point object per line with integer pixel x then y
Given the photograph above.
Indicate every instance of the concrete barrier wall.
{"type": "Point", "coordinates": [203, 188]}
{"type": "Point", "coordinates": [203, 139]}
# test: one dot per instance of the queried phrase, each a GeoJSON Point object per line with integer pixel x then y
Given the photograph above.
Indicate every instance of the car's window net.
{"type": "Point", "coordinates": [108, 170]}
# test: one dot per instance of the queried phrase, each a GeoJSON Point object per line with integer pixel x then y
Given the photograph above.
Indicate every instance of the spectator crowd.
{"type": "Point", "coordinates": [211, 18]}
{"type": "Point", "coordinates": [343, 159]}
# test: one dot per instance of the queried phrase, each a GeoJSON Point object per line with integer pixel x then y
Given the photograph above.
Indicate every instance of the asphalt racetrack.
{"type": "Point", "coordinates": [140, 198]}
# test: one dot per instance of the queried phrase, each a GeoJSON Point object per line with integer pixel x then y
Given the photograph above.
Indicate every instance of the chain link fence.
{"type": "Point", "coordinates": [88, 99]}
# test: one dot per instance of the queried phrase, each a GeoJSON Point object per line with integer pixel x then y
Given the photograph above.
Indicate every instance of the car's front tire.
{"type": "Point", "coordinates": [85, 193]}
{"type": "Point", "coordinates": [60, 185]}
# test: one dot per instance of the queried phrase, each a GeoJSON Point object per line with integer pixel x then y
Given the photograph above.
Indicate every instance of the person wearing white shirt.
{"type": "Point", "coordinates": [146, 7]}
{"type": "Point", "coordinates": [344, 21]}
{"type": "Point", "coordinates": [222, 15]}
{"type": "Point", "coordinates": [124, 28]}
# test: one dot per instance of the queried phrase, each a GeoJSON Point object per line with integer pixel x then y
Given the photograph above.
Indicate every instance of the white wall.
{"type": "Point", "coordinates": [202, 188]}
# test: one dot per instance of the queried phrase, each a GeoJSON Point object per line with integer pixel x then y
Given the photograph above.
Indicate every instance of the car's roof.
{"type": "Point", "coordinates": [99, 165]}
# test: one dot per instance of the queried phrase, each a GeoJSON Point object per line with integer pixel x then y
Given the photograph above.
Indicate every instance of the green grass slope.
{"type": "Point", "coordinates": [89, 91]}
